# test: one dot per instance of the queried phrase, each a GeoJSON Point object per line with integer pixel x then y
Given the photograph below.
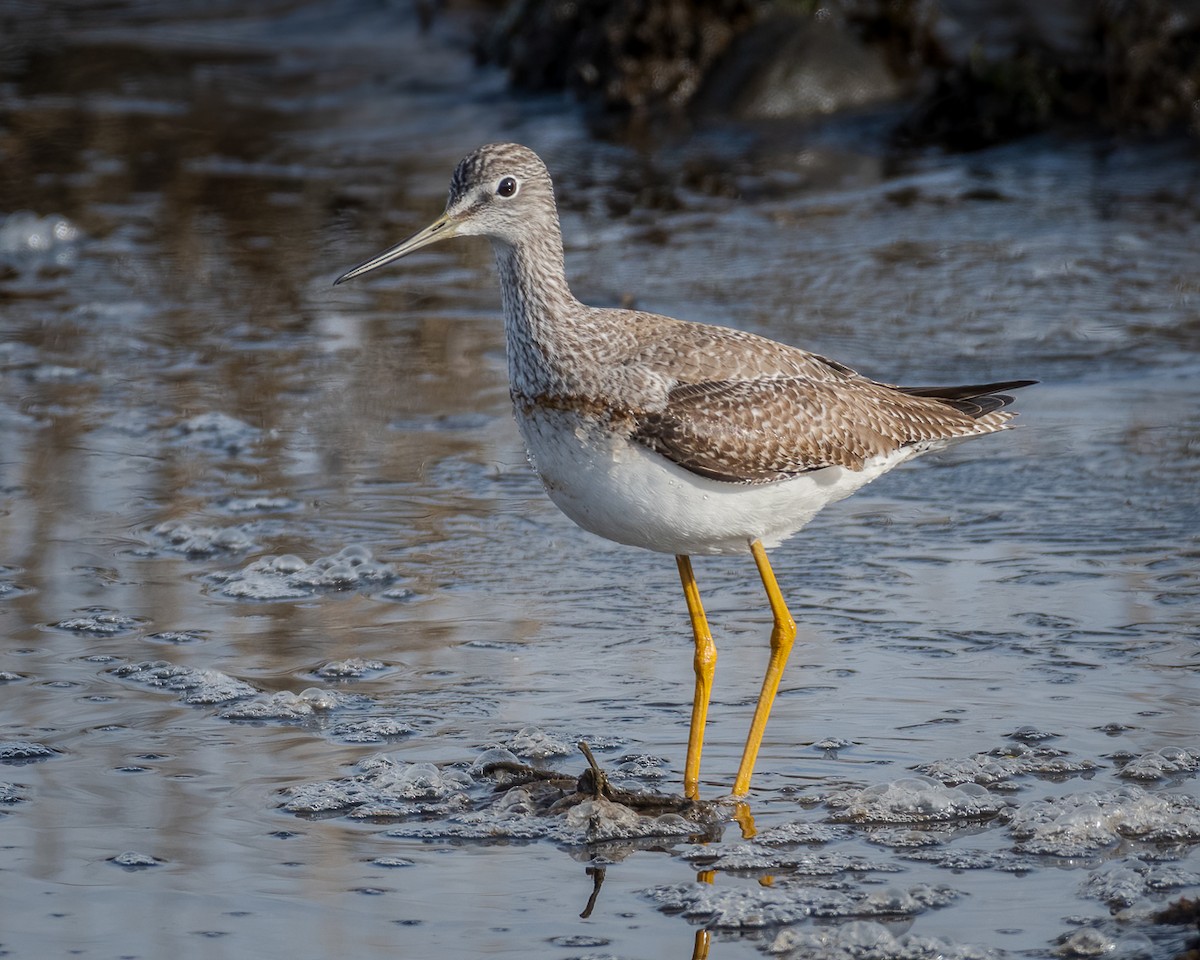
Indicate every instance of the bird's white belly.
{"type": "Point", "coordinates": [623, 491]}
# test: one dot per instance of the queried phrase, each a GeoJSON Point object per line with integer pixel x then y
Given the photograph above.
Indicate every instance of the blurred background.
{"type": "Point", "coordinates": [256, 531]}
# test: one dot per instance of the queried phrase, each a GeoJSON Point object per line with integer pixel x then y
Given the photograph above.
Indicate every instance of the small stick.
{"type": "Point", "coordinates": [599, 777]}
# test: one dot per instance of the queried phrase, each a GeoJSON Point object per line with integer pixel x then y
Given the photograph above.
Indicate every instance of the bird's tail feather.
{"type": "Point", "coordinates": [975, 400]}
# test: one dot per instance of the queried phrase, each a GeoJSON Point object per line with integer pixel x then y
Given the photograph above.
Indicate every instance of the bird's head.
{"type": "Point", "coordinates": [501, 191]}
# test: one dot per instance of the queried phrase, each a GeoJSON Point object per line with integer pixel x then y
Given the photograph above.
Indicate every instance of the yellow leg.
{"type": "Point", "coordinates": [706, 664]}
{"type": "Point", "coordinates": [783, 635]}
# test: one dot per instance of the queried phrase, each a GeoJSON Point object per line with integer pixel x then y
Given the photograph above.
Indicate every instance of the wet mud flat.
{"type": "Point", "coordinates": [285, 614]}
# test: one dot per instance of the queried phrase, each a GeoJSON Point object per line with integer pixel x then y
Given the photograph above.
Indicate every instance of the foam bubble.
{"type": "Point", "coordinates": [199, 542]}
{"type": "Point", "coordinates": [133, 860]}
{"type": "Point", "coordinates": [916, 800]}
{"type": "Point", "coordinates": [193, 686]}
{"type": "Point", "coordinates": [11, 793]}
{"type": "Point", "coordinates": [871, 940]}
{"type": "Point", "coordinates": [996, 768]}
{"type": "Point", "coordinates": [385, 787]}
{"type": "Point", "coordinates": [100, 622]}
{"type": "Point", "coordinates": [353, 668]}
{"type": "Point", "coordinates": [790, 901]}
{"type": "Point", "coordinates": [25, 751]}
{"type": "Point", "coordinates": [290, 707]}
{"type": "Point", "coordinates": [288, 577]}
{"type": "Point", "coordinates": [1161, 764]}
{"type": "Point", "coordinates": [1084, 823]}
{"type": "Point", "coordinates": [536, 744]}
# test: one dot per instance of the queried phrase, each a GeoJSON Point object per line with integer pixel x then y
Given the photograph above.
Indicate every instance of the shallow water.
{"type": "Point", "coordinates": [184, 396]}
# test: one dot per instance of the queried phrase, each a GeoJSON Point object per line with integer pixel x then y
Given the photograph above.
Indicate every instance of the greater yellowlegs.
{"type": "Point", "coordinates": [681, 437]}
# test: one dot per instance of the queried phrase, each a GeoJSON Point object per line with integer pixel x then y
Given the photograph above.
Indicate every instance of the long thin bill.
{"type": "Point", "coordinates": [441, 228]}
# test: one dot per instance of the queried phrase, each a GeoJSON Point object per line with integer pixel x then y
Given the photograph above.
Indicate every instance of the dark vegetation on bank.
{"type": "Point", "coordinates": [994, 71]}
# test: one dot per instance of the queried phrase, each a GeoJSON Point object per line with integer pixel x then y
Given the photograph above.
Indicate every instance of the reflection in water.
{"type": "Point", "coordinates": [1000, 645]}
{"type": "Point", "coordinates": [597, 875]}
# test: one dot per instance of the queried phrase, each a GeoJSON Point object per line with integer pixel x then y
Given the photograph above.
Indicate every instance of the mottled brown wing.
{"type": "Point", "coordinates": [758, 431]}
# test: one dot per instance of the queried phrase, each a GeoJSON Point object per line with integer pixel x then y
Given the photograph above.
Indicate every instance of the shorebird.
{"type": "Point", "coordinates": [678, 437]}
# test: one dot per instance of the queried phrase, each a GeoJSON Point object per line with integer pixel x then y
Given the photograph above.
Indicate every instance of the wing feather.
{"type": "Point", "coordinates": [762, 430]}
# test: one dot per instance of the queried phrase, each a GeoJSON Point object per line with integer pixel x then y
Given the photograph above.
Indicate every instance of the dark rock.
{"type": "Point", "coordinates": [1125, 68]}
{"type": "Point", "coordinates": [792, 67]}
{"type": "Point", "coordinates": [619, 58]}
{"type": "Point", "coordinates": [987, 70]}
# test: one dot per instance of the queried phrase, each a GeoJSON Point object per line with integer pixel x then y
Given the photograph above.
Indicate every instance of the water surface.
{"type": "Point", "coordinates": [184, 396]}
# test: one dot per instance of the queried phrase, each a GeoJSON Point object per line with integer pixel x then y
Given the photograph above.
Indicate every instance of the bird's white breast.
{"type": "Point", "coordinates": [617, 488]}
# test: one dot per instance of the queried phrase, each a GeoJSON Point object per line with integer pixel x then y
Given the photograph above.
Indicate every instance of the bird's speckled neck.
{"type": "Point", "coordinates": [541, 316]}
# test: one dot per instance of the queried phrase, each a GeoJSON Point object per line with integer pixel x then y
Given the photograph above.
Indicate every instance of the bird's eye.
{"type": "Point", "coordinates": [507, 187]}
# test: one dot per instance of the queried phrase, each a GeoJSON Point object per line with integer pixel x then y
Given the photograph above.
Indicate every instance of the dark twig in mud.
{"type": "Point", "coordinates": [594, 784]}
{"type": "Point", "coordinates": [522, 773]}
{"type": "Point", "coordinates": [597, 785]}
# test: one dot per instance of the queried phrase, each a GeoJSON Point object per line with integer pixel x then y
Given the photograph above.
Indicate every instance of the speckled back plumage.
{"type": "Point", "coordinates": [722, 403]}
